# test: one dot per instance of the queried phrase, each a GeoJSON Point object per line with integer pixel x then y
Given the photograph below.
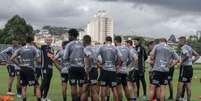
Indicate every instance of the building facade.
{"type": "Point", "coordinates": [100, 26]}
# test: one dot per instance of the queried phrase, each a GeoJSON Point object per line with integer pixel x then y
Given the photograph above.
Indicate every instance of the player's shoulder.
{"type": "Point", "coordinates": [186, 47]}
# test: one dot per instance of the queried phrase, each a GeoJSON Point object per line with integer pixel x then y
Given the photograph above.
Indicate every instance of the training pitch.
{"type": "Point", "coordinates": [55, 93]}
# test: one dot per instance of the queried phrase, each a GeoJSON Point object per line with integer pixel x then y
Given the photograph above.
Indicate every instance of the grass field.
{"type": "Point", "coordinates": [55, 89]}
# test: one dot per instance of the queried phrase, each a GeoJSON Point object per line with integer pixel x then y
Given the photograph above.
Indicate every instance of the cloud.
{"type": "Point", "coordinates": [153, 18]}
{"type": "Point", "coordinates": [182, 5]}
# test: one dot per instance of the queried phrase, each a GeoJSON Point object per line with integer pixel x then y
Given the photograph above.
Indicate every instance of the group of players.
{"type": "Point", "coordinates": [95, 71]}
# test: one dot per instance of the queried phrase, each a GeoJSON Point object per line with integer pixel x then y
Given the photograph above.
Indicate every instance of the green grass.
{"type": "Point", "coordinates": [55, 89]}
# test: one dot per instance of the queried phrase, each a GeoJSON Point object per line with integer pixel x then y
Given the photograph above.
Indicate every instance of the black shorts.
{"type": "Point", "coordinates": [77, 75]}
{"type": "Point", "coordinates": [131, 76]}
{"type": "Point", "coordinates": [108, 78]}
{"type": "Point", "coordinates": [186, 74]}
{"type": "Point", "coordinates": [11, 70]}
{"type": "Point", "coordinates": [159, 78]}
{"type": "Point", "coordinates": [64, 77]}
{"type": "Point", "coordinates": [93, 75]}
{"type": "Point", "coordinates": [122, 79]}
{"type": "Point", "coordinates": [38, 72]}
{"type": "Point", "coordinates": [27, 77]}
{"type": "Point", "coordinates": [171, 73]}
{"type": "Point", "coordinates": [138, 75]}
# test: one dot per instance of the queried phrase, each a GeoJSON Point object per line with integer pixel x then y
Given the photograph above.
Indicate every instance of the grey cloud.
{"type": "Point", "coordinates": [145, 17]}
{"type": "Point", "coordinates": [182, 5]}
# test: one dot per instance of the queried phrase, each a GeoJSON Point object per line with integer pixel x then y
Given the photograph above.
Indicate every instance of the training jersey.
{"type": "Point", "coordinates": [28, 55]}
{"type": "Point", "coordinates": [133, 56]}
{"type": "Point", "coordinates": [38, 65]}
{"type": "Point", "coordinates": [90, 52]}
{"type": "Point", "coordinates": [74, 54]}
{"type": "Point", "coordinates": [6, 55]}
{"type": "Point", "coordinates": [187, 52]}
{"type": "Point", "coordinates": [46, 61]}
{"type": "Point", "coordinates": [125, 52]}
{"type": "Point", "coordinates": [163, 54]}
{"type": "Point", "coordinates": [109, 55]}
{"type": "Point", "coordinates": [63, 64]}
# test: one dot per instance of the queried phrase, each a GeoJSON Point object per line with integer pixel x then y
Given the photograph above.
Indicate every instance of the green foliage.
{"type": "Point", "coordinates": [16, 28]}
{"type": "Point", "coordinates": [195, 42]}
{"type": "Point", "coordinates": [55, 30]}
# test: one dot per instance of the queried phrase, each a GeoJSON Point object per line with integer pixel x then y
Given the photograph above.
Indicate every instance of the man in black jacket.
{"type": "Point", "coordinates": [47, 67]}
{"type": "Point", "coordinates": [142, 57]}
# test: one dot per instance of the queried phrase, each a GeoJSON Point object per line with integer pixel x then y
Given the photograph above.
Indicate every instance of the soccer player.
{"type": "Point", "coordinates": [131, 71]}
{"type": "Point", "coordinates": [110, 62]}
{"type": "Point", "coordinates": [122, 70]}
{"type": "Point", "coordinates": [151, 45]}
{"type": "Point", "coordinates": [11, 67]}
{"type": "Point", "coordinates": [161, 57]}
{"type": "Point", "coordinates": [28, 55]}
{"type": "Point", "coordinates": [47, 67]}
{"type": "Point", "coordinates": [38, 65]}
{"type": "Point", "coordinates": [186, 70]}
{"type": "Point", "coordinates": [74, 55]}
{"type": "Point", "coordinates": [63, 69]}
{"type": "Point", "coordinates": [91, 67]}
{"type": "Point", "coordinates": [140, 70]}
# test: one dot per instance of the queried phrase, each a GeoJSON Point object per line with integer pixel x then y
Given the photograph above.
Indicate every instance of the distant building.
{"type": "Point", "coordinates": [100, 26]}
{"type": "Point", "coordinates": [43, 31]}
{"type": "Point", "coordinates": [198, 34]}
{"type": "Point", "coordinates": [40, 38]}
{"type": "Point", "coordinates": [172, 41]}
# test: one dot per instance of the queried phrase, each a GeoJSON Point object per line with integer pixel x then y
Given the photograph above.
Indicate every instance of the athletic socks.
{"type": "Point", "coordinates": [38, 99]}
{"type": "Point", "coordinates": [132, 99]}
{"type": "Point", "coordinates": [24, 99]}
{"type": "Point", "coordinates": [9, 90]}
{"type": "Point", "coordinates": [108, 98]}
{"type": "Point", "coordinates": [75, 98]}
{"type": "Point", "coordinates": [19, 90]}
{"type": "Point", "coordinates": [64, 98]}
{"type": "Point", "coordinates": [157, 99]}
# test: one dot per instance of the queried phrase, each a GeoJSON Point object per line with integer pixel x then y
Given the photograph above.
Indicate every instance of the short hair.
{"type": "Point", "coordinates": [29, 39]}
{"type": "Point", "coordinates": [150, 43]}
{"type": "Point", "coordinates": [64, 43]}
{"type": "Point", "coordinates": [108, 38]}
{"type": "Point", "coordinates": [87, 39]}
{"type": "Point", "coordinates": [130, 42]}
{"type": "Point", "coordinates": [182, 37]}
{"type": "Point", "coordinates": [163, 40]}
{"type": "Point", "coordinates": [137, 39]}
{"type": "Point", "coordinates": [118, 39]}
{"type": "Point", "coordinates": [73, 32]}
{"type": "Point", "coordinates": [14, 41]}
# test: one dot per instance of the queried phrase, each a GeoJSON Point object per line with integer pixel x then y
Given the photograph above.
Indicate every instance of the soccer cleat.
{"type": "Point", "coordinates": [19, 95]}
{"type": "Point", "coordinates": [10, 93]}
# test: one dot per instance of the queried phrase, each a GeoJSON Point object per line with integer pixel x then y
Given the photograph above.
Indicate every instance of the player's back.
{"type": "Point", "coordinates": [27, 56]}
{"type": "Point", "coordinates": [109, 56]}
{"type": "Point", "coordinates": [163, 56]}
{"type": "Point", "coordinates": [76, 54]}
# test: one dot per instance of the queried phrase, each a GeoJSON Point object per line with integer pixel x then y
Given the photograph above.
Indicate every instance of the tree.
{"type": "Point", "coordinates": [195, 44]}
{"type": "Point", "coordinates": [16, 28]}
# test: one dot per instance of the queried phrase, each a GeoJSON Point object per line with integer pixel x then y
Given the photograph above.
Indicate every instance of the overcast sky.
{"type": "Point", "coordinates": [153, 18]}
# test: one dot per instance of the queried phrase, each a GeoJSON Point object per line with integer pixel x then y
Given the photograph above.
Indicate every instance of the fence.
{"type": "Point", "coordinates": [3, 46]}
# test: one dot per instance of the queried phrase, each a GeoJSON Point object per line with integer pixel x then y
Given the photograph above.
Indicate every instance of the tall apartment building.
{"type": "Point", "coordinates": [100, 26]}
